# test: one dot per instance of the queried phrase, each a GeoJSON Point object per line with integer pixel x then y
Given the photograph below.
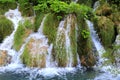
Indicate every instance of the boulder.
{"type": "Point", "coordinates": [35, 52]}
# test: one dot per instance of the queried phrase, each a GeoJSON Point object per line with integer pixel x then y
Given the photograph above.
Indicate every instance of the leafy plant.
{"type": "Point", "coordinates": [60, 7]}
{"type": "Point", "coordinates": [85, 34]}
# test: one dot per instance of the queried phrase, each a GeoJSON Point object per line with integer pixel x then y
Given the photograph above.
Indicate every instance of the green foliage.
{"type": "Point", "coordinates": [85, 34]}
{"type": "Point", "coordinates": [60, 7]}
{"type": "Point", "coordinates": [26, 8]}
{"type": "Point", "coordinates": [24, 29]}
{"type": "Point", "coordinates": [4, 1]}
{"type": "Point", "coordinates": [6, 27]}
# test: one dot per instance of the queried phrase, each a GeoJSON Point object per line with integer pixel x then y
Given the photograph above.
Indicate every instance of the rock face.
{"type": "Point", "coordinates": [4, 58]}
{"type": "Point", "coordinates": [35, 52]}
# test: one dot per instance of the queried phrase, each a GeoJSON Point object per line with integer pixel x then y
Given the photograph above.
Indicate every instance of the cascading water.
{"type": "Point", "coordinates": [15, 17]}
{"type": "Point", "coordinates": [65, 30]}
{"type": "Point", "coordinates": [100, 49]}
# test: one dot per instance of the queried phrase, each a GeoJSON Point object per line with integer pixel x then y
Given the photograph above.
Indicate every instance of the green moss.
{"type": "Point", "coordinates": [38, 20]}
{"type": "Point", "coordinates": [50, 27]}
{"type": "Point", "coordinates": [4, 7]}
{"type": "Point", "coordinates": [25, 57]}
{"type": "Point", "coordinates": [24, 29]}
{"type": "Point", "coordinates": [6, 27]}
{"type": "Point", "coordinates": [105, 29]}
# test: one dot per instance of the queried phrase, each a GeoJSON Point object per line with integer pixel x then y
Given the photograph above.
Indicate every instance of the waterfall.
{"type": "Point", "coordinates": [100, 49]}
{"type": "Point", "coordinates": [96, 5]}
{"type": "Point", "coordinates": [63, 40]}
{"type": "Point", "coordinates": [40, 30]}
{"type": "Point", "coordinates": [68, 43]}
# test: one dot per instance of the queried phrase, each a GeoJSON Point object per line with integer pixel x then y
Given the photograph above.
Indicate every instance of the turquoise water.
{"type": "Point", "coordinates": [76, 75]}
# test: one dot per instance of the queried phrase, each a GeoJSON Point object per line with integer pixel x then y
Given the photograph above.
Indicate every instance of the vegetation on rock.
{"type": "Point", "coordinates": [23, 31]}
{"type": "Point", "coordinates": [6, 27]}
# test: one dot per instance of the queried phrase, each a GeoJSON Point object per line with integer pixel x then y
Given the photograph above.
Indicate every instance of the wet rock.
{"type": "Point", "coordinates": [35, 53]}
{"type": "Point", "coordinates": [4, 58]}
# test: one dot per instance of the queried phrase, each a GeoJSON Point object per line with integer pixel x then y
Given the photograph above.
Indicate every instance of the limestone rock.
{"type": "Point", "coordinates": [35, 53]}
{"type": "Point", "coordinates": [4, 58]}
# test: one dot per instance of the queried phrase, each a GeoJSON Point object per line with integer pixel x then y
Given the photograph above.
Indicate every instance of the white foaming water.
{"type": "Point", "coordinates": [96, 40]}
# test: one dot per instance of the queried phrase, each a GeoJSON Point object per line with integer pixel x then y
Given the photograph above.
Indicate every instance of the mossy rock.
{"type": "Point", "coordinates": [22, 32]}
{"type": "Point", "coordinates": [105, 29]}
{"type": "Point", "coordinates": [115, 17]}
{"type": "Point", "coordinates": [34, 55]}
{"type": "Point", "coordinates": [104, 10]}
{"type": "Point", "coordinates": [85, 46]}
{"type": "Point", "coordinates": [50, 27]}
{"type": "Point", "coordinates": [4, 7]}
{"type": "Point", "coordinates": [6, 27]}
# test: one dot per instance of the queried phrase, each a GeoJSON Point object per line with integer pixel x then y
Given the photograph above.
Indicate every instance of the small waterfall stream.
{"type": "Point", "coordinates": [95, 39]}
